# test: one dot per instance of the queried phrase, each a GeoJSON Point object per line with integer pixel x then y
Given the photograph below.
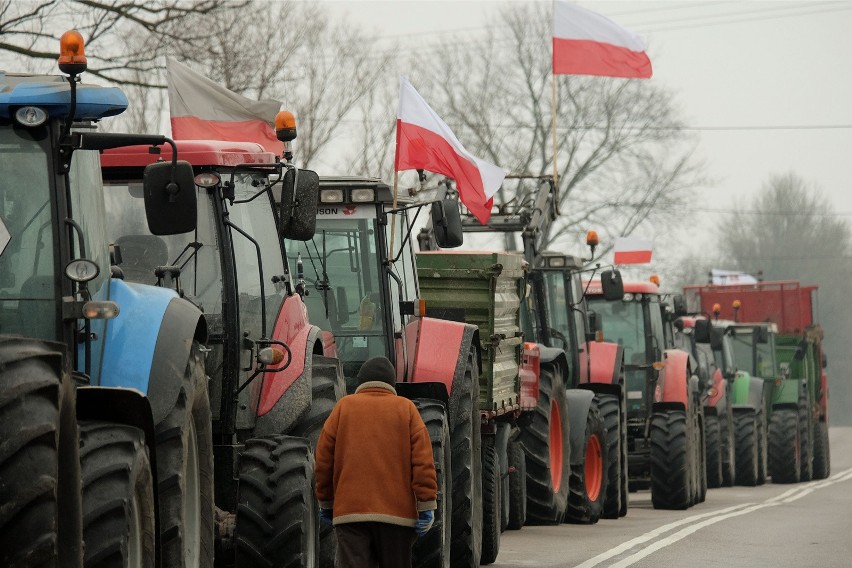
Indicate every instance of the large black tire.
{"type": "Point", "coordinates": [806, 462]}
{"type": "Point", "coordinates": [185, 472]}
{"type": "Point", "coordinates": [118, 497]}
{"type": "Point", "coordinates": [747, 432]}
{"type": "Point", "coordinates": [729, 467]}
{"type": "Point", "coordinates": [822, 455]}
{"type": "Point", "coordinates": [30, 400]}
{"type": "Point", "coordinates": [545, 440]}
{"type": "Point", "coordinates": [671, 478]}
{"type": "Point", "coordinates": [432, 550]}
{"type": "Point", "coordinates": [276, 523]}
{"type": "Point", "coordinates": [491, 501]}
{"type": "Point", "coordinates": [328, 386]}
{"type": "Point", "coordinates": [784, 443]}
{"type": "Point", "coordinates": [517, 487]}
{"type": "Point", "coordinates": [701, 451]}
{"type": "Point", "coordinates": [588, 479]}
{"type": "Point", "coordinates": [762, 449]}
{"type": "Point", "coordinates": [713, 443]}
{"type": "Point", "coordinates": [466, 545]}
{"type": "Point", "coordinates": [503, 433]}
{"type": "Point", "coordinates": [609, 407]}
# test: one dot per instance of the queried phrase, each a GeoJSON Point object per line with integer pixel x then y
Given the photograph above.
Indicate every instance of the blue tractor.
{"type": "Point", "coordinates": [105, 428]}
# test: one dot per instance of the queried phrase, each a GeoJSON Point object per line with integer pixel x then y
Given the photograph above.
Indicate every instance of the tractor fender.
{"type": "Point", "coordinates": [579, 401]}
{"type": "Point", "coordinates": [748, 391]}
{"type": "Point", "coordinates": [555, 357]}
{"type": "Point", "coordinates": [293, 383]}
{"type": "Point", "coordinates": [437, 351]}
{"type": "Point", "coordinates": [673, 380]}
{"type": "Point", "coordinates": [149, 342]}
{"type": "Point", "coordinates": [788, 392]}
{"type": "Point", "coordinates": [604, 362]}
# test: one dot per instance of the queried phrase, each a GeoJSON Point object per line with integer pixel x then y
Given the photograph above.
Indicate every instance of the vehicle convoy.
{"type": "Point", "coordinates": [274, 377]}
{"type": "Point", "coordinates": [361, 284]}
{"type": "Point", "coordinates": [787, 354]}
{"type": "Point", "coordinates": [712, 349]}
{"type": "Point", "coordinates": [105, 440]}
{"type": "Point", "coordinates": [591, 458]}
{"type": "Point", "coordinates": [665, 419]}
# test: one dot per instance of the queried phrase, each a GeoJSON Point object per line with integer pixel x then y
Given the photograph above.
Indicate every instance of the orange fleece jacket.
{"type": "Point", "coordinates": [374, 459]}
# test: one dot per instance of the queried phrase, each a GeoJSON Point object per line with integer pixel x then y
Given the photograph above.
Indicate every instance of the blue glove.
{"type": "Point", "coordinates": [424, 522]}
{"type": "Point", "coordinates": [326, 517]}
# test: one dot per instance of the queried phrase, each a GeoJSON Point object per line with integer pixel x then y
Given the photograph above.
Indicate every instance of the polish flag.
{"type": "Point", "coordinates": [587, 43]}
{"type": "Point", "coordinates": [632, 250]}
{"type": "Point", "coordinates": [425, 142]}
{"type": "Point", "coordinates": [202, 109]}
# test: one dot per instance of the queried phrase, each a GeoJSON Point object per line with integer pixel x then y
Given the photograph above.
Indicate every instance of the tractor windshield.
{"type": "Point", "coordinates": [623, 322]}
{"type": "Point", "coordinates": [27, 280]}
{"type": "Point", "coordinates": [342, 273]}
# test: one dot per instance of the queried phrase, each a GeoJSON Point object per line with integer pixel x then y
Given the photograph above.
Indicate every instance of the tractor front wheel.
{"type": "Point", "coordinates": [671, 486]}
{"type": "Point", "coordinates": [588, 479]}
{"type": "Point", "coordinates": [433, 549]}
{"type": "Point", "coordinates": [747, 434]}
{"type": "Point", "coordinates": [491, 501]}
{"type": "Point", "coordinates": [610, 410]}
{"type": "Point", "coordinates": [822, 456]}
{"type": "Point", "coordinates": [784, 442]}
{"type": "Point", "coordinates": [713, 437]}
{"type": "Point", "coordinates": [517, 497]}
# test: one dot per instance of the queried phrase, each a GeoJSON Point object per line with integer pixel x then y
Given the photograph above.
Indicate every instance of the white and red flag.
{"type": "Point", "coordinates": [201, 109]}
{"type": "Point", "coordinates": [425, 142]}
{"type": "Point", "coordinates": [587, 43]}
{"type": "Point", "coordinates": [632, 250]}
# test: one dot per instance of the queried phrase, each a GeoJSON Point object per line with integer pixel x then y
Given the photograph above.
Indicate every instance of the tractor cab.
{"type": "Point", "coordinates": [754, 349]}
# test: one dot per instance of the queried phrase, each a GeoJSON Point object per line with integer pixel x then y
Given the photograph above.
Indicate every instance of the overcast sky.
{"type": "Point", "coordinates": [765, 84]}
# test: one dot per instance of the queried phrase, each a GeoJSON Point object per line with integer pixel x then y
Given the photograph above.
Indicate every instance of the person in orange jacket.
{"type": "Point", "coordinates": [375, 476]}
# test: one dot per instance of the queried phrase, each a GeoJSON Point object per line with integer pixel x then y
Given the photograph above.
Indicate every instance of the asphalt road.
{"type": "Point", "coordinates": [772, 526]}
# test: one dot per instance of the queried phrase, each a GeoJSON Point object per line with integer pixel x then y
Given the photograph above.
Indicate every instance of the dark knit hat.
{"type": "Point", "coordinates": [377, 369]}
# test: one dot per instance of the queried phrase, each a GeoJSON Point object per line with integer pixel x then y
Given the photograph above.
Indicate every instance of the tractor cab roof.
{"type": "Point", "coordinates": [52, 94]}
{"type": "Point", "coordinates": [648, 288]}
{"type": "Point", "coordinates": [196, 152]}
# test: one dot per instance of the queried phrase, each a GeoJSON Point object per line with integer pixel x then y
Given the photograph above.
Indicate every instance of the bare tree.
{"type": "Point", "coordinates": [31, 29]}
{"type": "Point", "coordinates": [622, 151]}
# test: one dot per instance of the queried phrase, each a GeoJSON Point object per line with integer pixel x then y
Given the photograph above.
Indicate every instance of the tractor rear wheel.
{"type": "Point", "coordinates": [517, 496]}
{"type": "Point", "coordinates": [805, 441]}
{"type": "Point", "coordinates": [609, 407]}
{"type": "Point", "coordinates": [185, 472]}
{"type": "Point", "coordinates": [277, 518]}
{"type": "Point", "coordinates": [747, 433]}
{"type": "Point", "coordinates": [822, 461]}
{"type": "Point", "coordinates": [545, 441]}
{"type": "Point", "coordinates": [466, 545]}
{"type": "Point", "coordinates": [30, 406]}
{"type": "Point", "coordinates": [671, 475]}
{"type": "Point", "coordinates": [118, 497]}
{"type": "Point", "coordinates": [327, 387]}
{"type": "Point", "coordinates": [432, 550]}
{"type": "Point", "coordinates": [726, 427]}
{"type": "Point", "coordinates": [588, 479]}
{"type": "Point", "coordinates": [784, 443]}
{"type": "Point", "coordinates": [713, 437]}
{"type": "Point", "coordinates": [491, 501]}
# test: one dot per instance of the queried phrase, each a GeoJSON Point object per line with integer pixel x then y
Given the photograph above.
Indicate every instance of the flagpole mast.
{"type": "Point", "coordinates": [393, 216]}
{"type": "Point", "coordinates": [553, 132]}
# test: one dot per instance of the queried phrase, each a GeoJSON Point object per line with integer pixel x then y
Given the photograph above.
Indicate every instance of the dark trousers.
{"type": "Point", "coordinates": [374, 545]}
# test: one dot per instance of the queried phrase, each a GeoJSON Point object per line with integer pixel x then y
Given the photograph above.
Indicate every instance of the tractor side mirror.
{"type": "Point", "coordinates": [342, 305]}
{"type": "Point", "coordinates": [446, 223]}
{"type": "Point", "coordinates": [170, 199]}
{"type": "Point", "coordinates": [298, 207]}
{"type": "Point", "coordinates": [701, 331]}
{"type": "Point", "coordinates": [679, 305]}
{"type": "Point", "coordinates": [612, 285]}
{"type": "Point", "coordinates": [716, 339]}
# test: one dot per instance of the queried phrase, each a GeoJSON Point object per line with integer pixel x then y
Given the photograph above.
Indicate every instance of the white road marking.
{"type": "Point", "coordinates": [788, 496]}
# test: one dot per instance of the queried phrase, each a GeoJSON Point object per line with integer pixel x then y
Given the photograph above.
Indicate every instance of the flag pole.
{"type": "Point", "coordinates": [553, 130]}
{"type": "Point", "coordinates": [393, 216]}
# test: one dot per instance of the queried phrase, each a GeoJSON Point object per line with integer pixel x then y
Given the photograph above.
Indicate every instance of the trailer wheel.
{"type": "Point", "coordinates": [30, 403]}
{"type": "Point", "coordinates": [432, 550]}
{"type": "Point", "coordinates": [517, 487]}
{"type": "Point", "coordinates": [822, 461]}
{"type": "Point", "coordinates": [713, 437]}
{"type": "Point", "coordinates": [728, 449]}
{"type": "Point", "coordinates": [588, 480]}
{"type": "Point", "coordinates": [276, 523]}
{"type": "Point", "coordinates": [466, 545]}
{"type": "Point", "coordinates": [118, 497]}
{"type": "Point", "coordinates": [747, 434]}
{"type": "Point", "coordinates": [762, 449]}
{"type": "Point", "coordinates": [185, 472]}
{"type": "Point", "coordinates": [327, 387]}
{"type": "Point", "coordinates": [491, 501]}
{"type": "Point", "coordinates": [545, 442]}
{"type": "Point", "coordinates": [670, 467]}
{"type": "Point", "coordinates": [609, 408]}
{"type": "Point", "coordinates": [805, 443]}
{"type": "Point", "coordinates": [784, 443]}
